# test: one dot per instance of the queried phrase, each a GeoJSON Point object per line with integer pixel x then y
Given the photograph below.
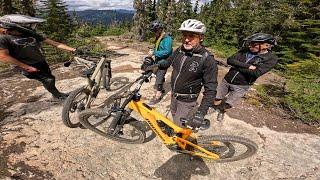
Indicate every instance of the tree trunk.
{"type": "Point", "coordinates": [169, 19]}
{"type": "Point", "coordinates": [139, 25]}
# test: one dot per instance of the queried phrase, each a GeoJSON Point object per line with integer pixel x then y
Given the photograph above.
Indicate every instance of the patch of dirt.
{"type": "Point", "coordinates": [18, 169]}
{"type": "Point", "coordinates": [125, 68]}
{"type": "Point", "coordinates": [275, 119]}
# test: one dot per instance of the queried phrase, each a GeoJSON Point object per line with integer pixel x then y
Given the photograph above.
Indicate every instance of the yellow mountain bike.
{"type": "Point", "coordinates": [115, 122]}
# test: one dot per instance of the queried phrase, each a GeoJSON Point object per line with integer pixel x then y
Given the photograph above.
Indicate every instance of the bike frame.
{"type": "Point", "coordinates": [151, 116]}
{"type": "Point", "coordinates": [94, 81]}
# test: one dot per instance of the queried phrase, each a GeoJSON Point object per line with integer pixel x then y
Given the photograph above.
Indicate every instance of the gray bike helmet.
{"type": "Point", "coordinates": [260, 37]}
{"type": "Point", "coordinates": [14, 20]}
{"type": "Point", "coordinates": [155, 25]}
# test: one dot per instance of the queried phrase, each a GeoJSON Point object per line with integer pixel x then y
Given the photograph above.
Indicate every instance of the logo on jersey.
{"type": "Point", "coordinates": [30, 41]}
{"type": "Point", "coordinates": [194, 66]}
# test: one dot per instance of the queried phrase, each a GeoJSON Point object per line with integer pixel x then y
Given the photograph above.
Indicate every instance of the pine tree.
{"type": "Point", "coordinates": [26, 7]}
{"type": "Point", "coordinates": [58, 25]}
{"type": "Point", "coordinates": [150, 11]}
{"type": "Point", "coordinates": [139, 27]}
{"type": "Point", "coordinates": [162, 7]}
{"type": "Point", "coordinates": [196, 7]}
{"type": "Point", "coordinates": [6, 7]}
{"type": "Point", "coordinates": [169, 20]}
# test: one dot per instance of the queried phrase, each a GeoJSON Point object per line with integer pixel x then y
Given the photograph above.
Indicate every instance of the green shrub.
{"type": "Point", "coordinates": [115, 31]}
{"type": "Point", "coordinates": [303, 98]}
{"type": "Point", "coordinates": [303, 89]}
{"type": "Point", "coordinates": [301, 93]}
{"type": "Point", "coordinates": [221, 49]}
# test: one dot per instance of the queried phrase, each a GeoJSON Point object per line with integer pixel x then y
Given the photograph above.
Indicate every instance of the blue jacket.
{"type": "Point", "coordinates": [165, 48]}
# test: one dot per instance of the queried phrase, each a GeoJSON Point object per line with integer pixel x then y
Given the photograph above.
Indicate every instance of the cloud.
{"type": "Point", "coordinates": [80, 5]}
{"type": "Point", "coordinates": [99, 4]}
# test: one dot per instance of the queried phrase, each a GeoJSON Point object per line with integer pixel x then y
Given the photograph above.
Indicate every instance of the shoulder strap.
{"type": "Point", "coordinates": [159, 40]}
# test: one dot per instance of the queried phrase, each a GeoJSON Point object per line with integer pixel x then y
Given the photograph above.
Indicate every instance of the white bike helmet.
{"type": "Point", "coordinates": [193, 25]}
{"type": "Point", "coordinates": [18, 19]}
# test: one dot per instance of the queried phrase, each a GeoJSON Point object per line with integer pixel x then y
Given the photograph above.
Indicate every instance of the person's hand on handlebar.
{"type": "Point", "coordinates": [154, 68]}
{"type": "Point", "coordinates": [148, 65]}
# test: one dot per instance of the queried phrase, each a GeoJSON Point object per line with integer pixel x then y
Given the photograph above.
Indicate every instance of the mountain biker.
{"type": "Point", "coordinates": [20, 45]}
{"type": "Point", "coordinates": [193, 68]}
{"type": "Point", "coordinates": [252, 61]}
{"type": "Point", "coordinates": [162, 50]}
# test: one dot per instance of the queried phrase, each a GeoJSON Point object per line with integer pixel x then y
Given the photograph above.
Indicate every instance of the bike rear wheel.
{"type": "Point", "coordinates": [98, 121]}
{"type": "Point", "coordinates": [228, 148]}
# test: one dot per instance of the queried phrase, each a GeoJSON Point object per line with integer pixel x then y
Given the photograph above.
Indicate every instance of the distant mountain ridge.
{"type": "Point", "coordinates": [105, 17]}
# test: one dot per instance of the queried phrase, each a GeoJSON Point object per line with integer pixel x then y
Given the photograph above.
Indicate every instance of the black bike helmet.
{"type": "Point", "coordinates": [155, 25]}
{"type": "Point", "coordinates": [260, 37]}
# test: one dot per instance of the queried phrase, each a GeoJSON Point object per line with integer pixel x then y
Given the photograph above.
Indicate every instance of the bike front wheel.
{"type": "Point", "coordinates": [99, 120]}
{"type": "Point", "coordinates": [74, 104]}
{"type": "Point", "coordinates": [228, 148]}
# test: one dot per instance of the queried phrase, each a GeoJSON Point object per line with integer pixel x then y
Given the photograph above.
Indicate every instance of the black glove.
{"type": "Point", "coordinates": [196, 121]}
{"type": "Point", "coordinates": [146, 63]}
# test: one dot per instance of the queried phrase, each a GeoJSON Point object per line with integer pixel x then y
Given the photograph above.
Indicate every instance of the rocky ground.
{"type": "Point", "coordinates": [34, 143]}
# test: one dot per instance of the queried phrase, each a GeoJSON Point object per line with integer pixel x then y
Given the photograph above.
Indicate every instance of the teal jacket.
{"type": "Point", "coordinates": [165, 48]}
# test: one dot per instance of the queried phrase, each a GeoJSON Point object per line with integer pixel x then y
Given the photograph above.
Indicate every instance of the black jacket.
{"type": "Point", "coordinates": [191, 71]}
{"type": "Point", "coordinates": [239, 74]}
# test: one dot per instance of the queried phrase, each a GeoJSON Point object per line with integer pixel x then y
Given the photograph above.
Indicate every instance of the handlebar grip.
{"type": "Point", "coordinates": [67, 64]}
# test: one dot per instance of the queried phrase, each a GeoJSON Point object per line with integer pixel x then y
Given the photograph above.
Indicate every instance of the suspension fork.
{"type": "Point", "coordinates": [120, 118]}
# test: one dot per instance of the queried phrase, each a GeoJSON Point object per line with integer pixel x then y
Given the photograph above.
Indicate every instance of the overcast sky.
{"type": "Point", "coordinates": [79, 5]}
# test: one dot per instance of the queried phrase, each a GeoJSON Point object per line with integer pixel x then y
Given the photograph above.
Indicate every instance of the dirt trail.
{"type": "Point", "coordinates": [34, 143]}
